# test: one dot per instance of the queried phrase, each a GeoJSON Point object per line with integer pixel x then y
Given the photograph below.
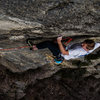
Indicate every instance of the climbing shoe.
{"type": "Point", "coordinates": [58, 61]}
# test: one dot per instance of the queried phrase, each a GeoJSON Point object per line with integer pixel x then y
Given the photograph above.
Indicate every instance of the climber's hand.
{"type": "Point", "coordinates": [59, 39]}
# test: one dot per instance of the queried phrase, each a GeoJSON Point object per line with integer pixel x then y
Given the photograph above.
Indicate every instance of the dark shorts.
{"type": "Point", "coordinates": [53, 47]}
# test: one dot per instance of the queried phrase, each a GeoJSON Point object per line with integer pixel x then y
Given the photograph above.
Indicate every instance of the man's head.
{"type": "Point", "coordinates": [88, 44]}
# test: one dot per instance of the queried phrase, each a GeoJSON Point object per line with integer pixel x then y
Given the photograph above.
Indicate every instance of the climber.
{"type": "Point", "coordinates": [76, 50]}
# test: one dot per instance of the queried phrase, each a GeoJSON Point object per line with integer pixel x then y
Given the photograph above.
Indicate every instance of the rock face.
{"type": "Point", "coordinates": [64, 89]}
{"type": "Point", "coordinates": [50, 17]}
{"type": "Point", "coordinates": [43, 20]}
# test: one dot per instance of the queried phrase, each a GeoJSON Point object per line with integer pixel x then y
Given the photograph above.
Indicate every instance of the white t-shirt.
{"type": "Point", "coordinates": [76, 51]}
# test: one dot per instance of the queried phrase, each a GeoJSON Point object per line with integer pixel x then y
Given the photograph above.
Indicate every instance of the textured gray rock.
{"type": "Point", "coordinates": [67, 17]}
{"type": "Point", "coordinates": [44, 20]}
{"type": "Point", "coordinates": [22, 60]}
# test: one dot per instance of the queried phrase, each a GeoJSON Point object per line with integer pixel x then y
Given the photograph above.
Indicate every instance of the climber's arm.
{"type": "Point", "coordinates": [61, 47]}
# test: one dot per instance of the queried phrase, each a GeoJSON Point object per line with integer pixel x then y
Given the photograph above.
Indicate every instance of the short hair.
{"type": "Point", "coordinates": [90, 43]}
